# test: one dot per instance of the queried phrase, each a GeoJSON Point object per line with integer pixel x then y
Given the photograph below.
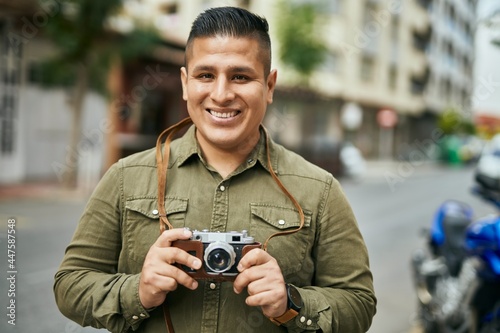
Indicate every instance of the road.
{"type": "Point", "coordinates": [390, 215]}
{"type": "Point", "coordinates": [392, 209]}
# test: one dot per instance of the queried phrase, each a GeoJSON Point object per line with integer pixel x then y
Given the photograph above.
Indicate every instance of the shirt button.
{"type": "Point", "coordinates": [222, 188]}
{"type": "Point", "coordinates": [135, 317]}
{"type": "Point", "coordinates": [155, 211]}
{"type": "Point", "coordinates": [281, 222]}
{"type": "Point", "coordinates": [309, 322]}
{"type": "Point", "coordinates": [142, 315]}
{"type": "Point", "coordinates": [302, 319]}
{"type": "Point", "coordinates": [250, 160]}
{"type": "Point", "coordinates": [212, 286]}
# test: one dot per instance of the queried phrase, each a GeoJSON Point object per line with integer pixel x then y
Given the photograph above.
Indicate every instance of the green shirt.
{"type": "Point", "coordinates": [97, 283]}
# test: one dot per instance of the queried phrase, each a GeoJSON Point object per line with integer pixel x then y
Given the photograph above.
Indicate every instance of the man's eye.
{"type": "Point", "coordinates": [205, 76]}
{"type": "Point", "coordinates": [240, 78]}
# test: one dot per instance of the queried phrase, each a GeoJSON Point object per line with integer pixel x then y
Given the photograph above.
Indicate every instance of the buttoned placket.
{"type": "Point", "coordinates": [211, 296]}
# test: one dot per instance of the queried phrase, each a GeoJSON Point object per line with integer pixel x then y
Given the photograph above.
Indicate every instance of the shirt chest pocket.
{"type": "Point", "coordinates": [289, 250]}
{"type": "Point", "coordinates": [142, 225]}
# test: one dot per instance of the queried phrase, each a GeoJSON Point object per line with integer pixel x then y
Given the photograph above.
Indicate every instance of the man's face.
{"type": "Point", "coordinates": [227, 91]}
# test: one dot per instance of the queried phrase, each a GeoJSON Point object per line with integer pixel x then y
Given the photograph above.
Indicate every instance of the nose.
{"type": "Point", "coordinates": [222, 92]}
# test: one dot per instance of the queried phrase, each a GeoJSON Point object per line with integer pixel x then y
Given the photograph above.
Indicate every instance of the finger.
{"type": "Point", "coordinates": [171, 276]}
{"type": "Point", "coordinates": [273, 301]}
{"type": "Point", "coordinates": [253, 258]}
{"type": "Point", "coordinates": [268, 272]}
{"type": "Point", "coordinates": [164, 278]}
{"type": "Point", "coordinates": [158, 257]}
{"type": "Point", "coordinates": [175, 255]}
{"type": "Point", "coordinates": [168, 236]}
{"type": "Point", "coordinates": [248, 276]}
{"type": "Point", "coordinates": [260, 286]}
{"type": "Point", "coordinates": [266, 298]}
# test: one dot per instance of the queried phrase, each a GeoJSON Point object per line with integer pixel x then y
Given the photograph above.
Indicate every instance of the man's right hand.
{"type": "Point", "coordinates": [159, 274]}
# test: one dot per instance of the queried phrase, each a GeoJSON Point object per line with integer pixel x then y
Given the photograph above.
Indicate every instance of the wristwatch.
{"type": "Point", "coordinates": [294, 304]}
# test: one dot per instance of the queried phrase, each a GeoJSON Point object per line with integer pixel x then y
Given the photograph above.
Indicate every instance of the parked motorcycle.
{"type": "Point", "coordinates": [457, 276]}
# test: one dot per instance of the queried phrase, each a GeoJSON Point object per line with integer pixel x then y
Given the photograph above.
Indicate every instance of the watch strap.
{"type": "Point", "coordinates": [287, 316]}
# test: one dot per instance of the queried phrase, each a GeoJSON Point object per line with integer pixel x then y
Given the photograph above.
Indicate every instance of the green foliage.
{"type": "Point", "coordinates": [79, 32]}
{"type": "Point", "coordinates": [452, 122]}
{"type": "Point", "coordinates": [300, 45]}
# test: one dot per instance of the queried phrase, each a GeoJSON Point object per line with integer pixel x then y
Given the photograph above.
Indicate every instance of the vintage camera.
{"type": "Point", "coordinates": [220, 253]}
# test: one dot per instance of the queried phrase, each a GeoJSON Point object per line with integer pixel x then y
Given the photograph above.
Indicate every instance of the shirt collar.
{"type": "Point", "coordinates": [188, 147]}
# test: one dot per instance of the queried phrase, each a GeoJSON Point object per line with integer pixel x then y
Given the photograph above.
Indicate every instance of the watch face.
{"type": "Point", "coordinates": [295, 298]}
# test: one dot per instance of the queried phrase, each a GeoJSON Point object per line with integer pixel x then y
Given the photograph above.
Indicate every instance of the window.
{"type": "Point", "coordinates": [393, 77]}
{"type": "Point", "coordinates": [371, 27]}
{"type": "Point", "coordinates": [331, 63]}
{"type": "Point", "coordinates": [367, 68]}
{"type": "Point", "coordinates": [9, 84]}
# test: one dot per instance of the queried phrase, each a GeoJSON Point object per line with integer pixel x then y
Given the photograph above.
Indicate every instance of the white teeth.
{"type": "Point", "coordinates": [223, 115]}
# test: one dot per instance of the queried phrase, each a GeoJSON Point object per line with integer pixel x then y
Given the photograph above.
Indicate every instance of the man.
{"type": "Point", "coordinates": [118, 271]}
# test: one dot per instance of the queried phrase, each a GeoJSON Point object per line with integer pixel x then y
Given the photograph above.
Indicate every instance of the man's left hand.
{"type": "Point", "coordinates": [262, 276]}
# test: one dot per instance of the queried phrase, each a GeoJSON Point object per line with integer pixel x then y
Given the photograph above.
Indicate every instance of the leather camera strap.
{"type": "Point", "coordinates": [162, 168]}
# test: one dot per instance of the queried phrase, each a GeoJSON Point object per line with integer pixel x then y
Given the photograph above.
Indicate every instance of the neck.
{"type": "Point", "coordinates": [225, 161]}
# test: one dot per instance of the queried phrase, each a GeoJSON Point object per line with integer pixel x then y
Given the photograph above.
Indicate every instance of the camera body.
{"type": "Point", "coordinates": [220, 253]}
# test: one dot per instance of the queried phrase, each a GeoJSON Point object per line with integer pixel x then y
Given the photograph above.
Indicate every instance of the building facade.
{"type": "Point", "coordinates": [406, 59]}
{"type": "Point", "coordinates": [376, 59]}
{"type": "Point", "coordinates": [451, 55]}
{"type": "Point", "coordinates": [35, 122]}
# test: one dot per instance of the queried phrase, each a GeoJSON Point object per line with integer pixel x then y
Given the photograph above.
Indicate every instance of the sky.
{"type": "Point", "coordinates": [486, 7]}
{"type": "Point", "coordinates": [486, 95]}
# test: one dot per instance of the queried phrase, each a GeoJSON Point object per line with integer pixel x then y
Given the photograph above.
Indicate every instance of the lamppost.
{"type": "Point", "coordinates": [387, 120]}
{"type": "Point", "coordinates": [351, 117]}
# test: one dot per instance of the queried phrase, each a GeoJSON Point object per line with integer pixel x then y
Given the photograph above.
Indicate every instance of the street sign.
{"type": "Point", "coordinates": [387, 118]}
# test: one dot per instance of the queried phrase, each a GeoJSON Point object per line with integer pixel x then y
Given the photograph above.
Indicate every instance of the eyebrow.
{"type": "Point", "coordinates": [232, 69]}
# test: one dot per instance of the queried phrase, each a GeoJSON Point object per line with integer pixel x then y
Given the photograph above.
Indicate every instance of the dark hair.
{"type": "Point", "coordinates": [232, 22]}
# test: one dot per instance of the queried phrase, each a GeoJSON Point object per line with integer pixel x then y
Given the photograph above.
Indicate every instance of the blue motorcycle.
{"type": "Point", "coordinates": [457, 276]}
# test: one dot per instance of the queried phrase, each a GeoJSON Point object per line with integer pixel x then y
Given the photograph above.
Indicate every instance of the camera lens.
{"type": "Point", "coordinates": [219, 256]}
{"type": "Point", "coordinates": [218, 259]}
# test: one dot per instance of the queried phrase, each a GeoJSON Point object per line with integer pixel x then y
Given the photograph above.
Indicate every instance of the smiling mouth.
{"type": "Point", "coordinates": [223, 115]}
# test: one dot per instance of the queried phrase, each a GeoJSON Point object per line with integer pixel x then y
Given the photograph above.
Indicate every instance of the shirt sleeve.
{"type": "Point", "coordinates": [342, 297]}
{"type": "Point", "coordinates": [88, 289]}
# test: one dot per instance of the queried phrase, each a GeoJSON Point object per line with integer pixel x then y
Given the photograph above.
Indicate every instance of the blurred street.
{"type": "Point", "coordinates": [390, 217]}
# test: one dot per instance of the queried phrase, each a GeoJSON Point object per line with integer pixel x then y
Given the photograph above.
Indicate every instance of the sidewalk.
{"type": "Point", "coordinates": [40, 190]}
{"type": "Point", "coordinates": [381, 170]}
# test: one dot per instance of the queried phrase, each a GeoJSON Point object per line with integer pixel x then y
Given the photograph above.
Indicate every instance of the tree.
{"type": "Point", "coordinates": [452, 122]}
{"type": "Point", "coordinates": [298, 32]}
{"type": "Point", "coordinates": [86, 48]}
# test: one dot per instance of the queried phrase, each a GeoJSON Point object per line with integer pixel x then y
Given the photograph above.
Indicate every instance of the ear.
{"type": "Point", "coordinates": [271, 84]}
{"type": "Point", "coordinates": [184, 83]}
